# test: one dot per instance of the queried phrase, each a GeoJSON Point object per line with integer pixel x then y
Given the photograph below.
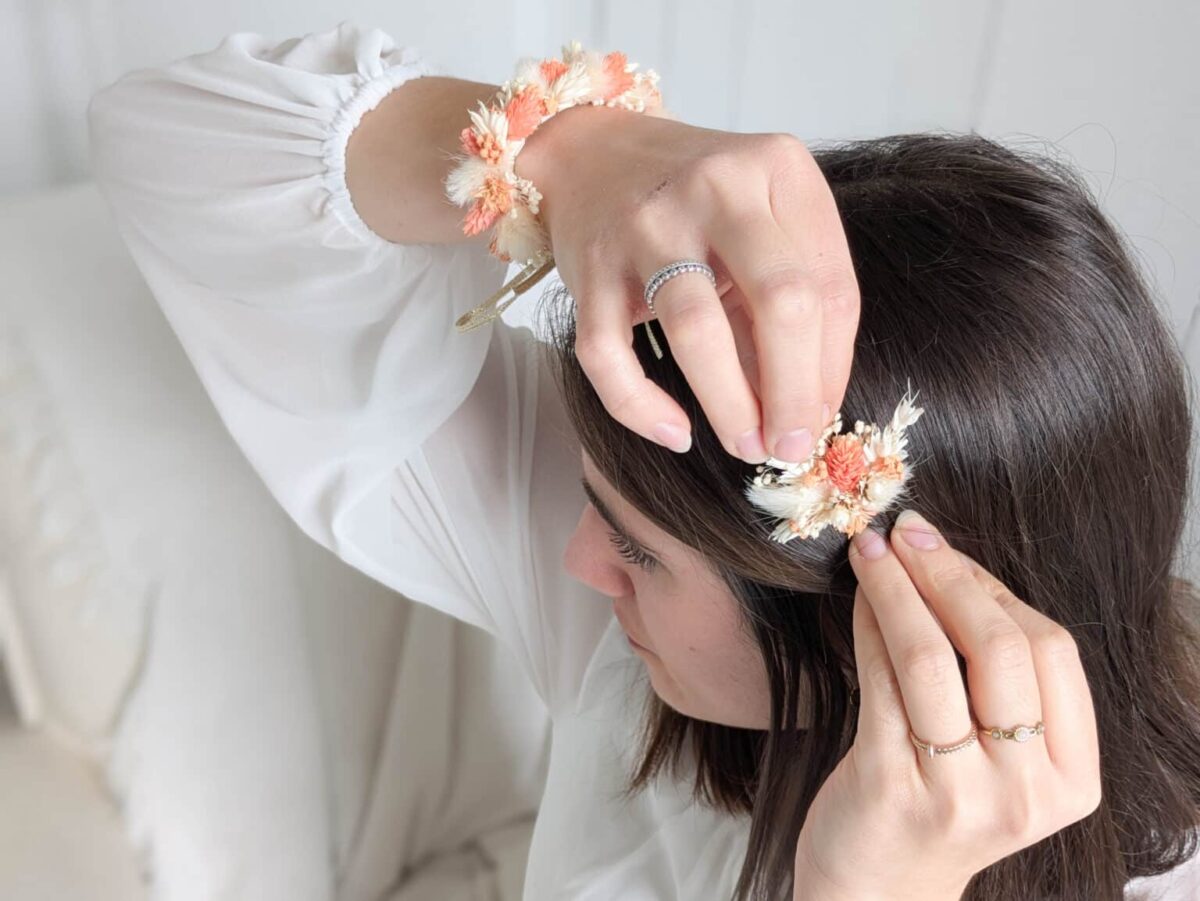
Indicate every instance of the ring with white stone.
{"type": "Point", "coordinates": [1017, 733]}
{"type": "Point", "coordinates": [668, 272]}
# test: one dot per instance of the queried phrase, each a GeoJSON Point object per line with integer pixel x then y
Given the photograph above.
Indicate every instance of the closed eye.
{"type": "Point", "coordinates": [634, 555]}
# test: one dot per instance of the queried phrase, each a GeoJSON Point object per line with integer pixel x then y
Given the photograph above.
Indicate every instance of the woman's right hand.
{"type": "Point", "coordinates": [626, 193]}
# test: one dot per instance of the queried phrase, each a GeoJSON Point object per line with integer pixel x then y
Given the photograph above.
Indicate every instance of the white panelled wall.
{"type": "Point", "coordinates": [1111, 85]}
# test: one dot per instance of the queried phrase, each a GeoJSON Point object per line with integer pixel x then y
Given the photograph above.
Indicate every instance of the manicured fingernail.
{"type": "Point", "coordinates": [916, 531]}
{"type": "Point", "coordinates": [794, 447]}
{"type": "Point", "coordinates": [672, 436]}
{"type": "Point", "coordinates": [750, 446]}
{"type": "Point", "coordinates": [870, 544]}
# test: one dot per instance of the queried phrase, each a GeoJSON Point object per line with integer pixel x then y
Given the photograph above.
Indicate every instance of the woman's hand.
{"type": "Point", "coordinates": [891, 822]}
{"type": "Point", "coordinates": [626, 193]}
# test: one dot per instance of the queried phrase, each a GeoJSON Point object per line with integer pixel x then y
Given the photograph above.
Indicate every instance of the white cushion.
{"type": "Point", "coordinates": [77, 443]}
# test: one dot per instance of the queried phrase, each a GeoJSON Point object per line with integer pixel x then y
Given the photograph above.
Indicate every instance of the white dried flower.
{"type": "Point", "coordinates": [847, 479]}
{"type": "Point", "coordinates": [465, 181]}
{"type": "Point", "coordinates": [520, 235]}
{"type": "Point", "coordinates": [488, 121]}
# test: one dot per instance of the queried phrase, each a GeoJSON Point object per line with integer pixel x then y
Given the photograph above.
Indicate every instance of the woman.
{"type": "Point", "coordinates": [751, 737]}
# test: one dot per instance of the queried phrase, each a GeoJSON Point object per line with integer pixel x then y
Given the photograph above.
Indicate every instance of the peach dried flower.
{"type": "Point", "coordinates": [524, 112]}
{"type": "Point", "coordinates": [492, 202]}
{"type": "Point", "coordinates": [496, 194]}
{"type": "Point", "coordinates": [469, 142]}
{"type": "Point", "coordinates": [888, 467]}
{"type": "Point", "coordinates": [479, 219]}
{"type": "Point", "coordinates": [490, 149]}
{"type": "Point", "coordinates": [552, 68]}
{"type": "Point", "coordinates": [615, 81]}
{"type": "Point", "coordinates": [845, 462]}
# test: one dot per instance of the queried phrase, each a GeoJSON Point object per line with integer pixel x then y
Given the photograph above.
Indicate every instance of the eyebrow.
{"type": "Point", "coordinates": [614, 523]}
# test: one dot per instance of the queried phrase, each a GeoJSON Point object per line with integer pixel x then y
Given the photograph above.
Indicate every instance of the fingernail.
{"type": "Point", "coordinates": [916, 530]}
{"type": "Point", "coordinates": [750, 446]}
{"type": "Point", "coordinates": [870, 544]}
{"type": "Point", "coordinates": [795, 446]}
{"type": "Point", "coordinates": [672, 436]}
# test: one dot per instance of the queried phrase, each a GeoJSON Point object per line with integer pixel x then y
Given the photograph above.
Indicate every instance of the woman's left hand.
{"type": "Point", "coordinates": [892, 822]}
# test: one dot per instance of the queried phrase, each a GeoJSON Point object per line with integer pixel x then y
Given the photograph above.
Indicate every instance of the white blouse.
{"type": "Point", "coordinates": [406, 448]}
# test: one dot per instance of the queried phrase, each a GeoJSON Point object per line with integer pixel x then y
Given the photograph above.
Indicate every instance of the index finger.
{"type": "Point", "coordinates": [604, 348]}
{"type": "Point", "coordinates": [922, 654]}
{"type": "Point", "coordinates": [803, 205]}
{"type": "Point", "coordinates": [785, 315]}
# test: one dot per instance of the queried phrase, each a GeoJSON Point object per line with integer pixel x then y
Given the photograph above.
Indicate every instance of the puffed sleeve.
{"type": "Point", "coordinates": [407, 448]}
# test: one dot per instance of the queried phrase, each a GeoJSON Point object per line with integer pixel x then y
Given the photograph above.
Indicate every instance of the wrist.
{"type": "Point", "coordinates": [810, 885]}
{"type": "Point", "coordinates": [558, 144]}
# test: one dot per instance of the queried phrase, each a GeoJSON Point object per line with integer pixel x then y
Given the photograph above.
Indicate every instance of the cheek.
{"type": "Point", "coordinates": [702, 642]}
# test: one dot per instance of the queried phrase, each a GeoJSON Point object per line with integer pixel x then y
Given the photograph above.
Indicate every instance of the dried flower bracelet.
{"type": "Point", "coordinates": [485, 180]}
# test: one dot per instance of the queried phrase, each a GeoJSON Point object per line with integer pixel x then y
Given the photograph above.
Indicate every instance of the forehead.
{"type": "Point", "coordinates": [613, 498]}
{"type": "Point", "coordinates": [598, 482]}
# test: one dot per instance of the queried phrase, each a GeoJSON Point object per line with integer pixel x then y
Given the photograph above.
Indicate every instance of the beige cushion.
{"type": "Point", "coordinates": [60, 835]}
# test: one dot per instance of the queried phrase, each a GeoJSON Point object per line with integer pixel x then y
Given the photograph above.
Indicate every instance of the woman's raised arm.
{"type": "Point", "coordinates": [400, 153]}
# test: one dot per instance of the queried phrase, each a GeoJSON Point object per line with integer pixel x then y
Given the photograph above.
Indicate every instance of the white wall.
{"type": "Point", "coordinates": [1112, 84]}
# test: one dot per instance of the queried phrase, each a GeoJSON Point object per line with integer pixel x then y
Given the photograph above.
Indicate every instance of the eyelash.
{"type": "Point", "coordinates": [632, 554]}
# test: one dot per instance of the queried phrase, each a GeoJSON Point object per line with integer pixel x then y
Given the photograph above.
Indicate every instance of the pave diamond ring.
{"type": "Point", "coordinates": [668, 272]}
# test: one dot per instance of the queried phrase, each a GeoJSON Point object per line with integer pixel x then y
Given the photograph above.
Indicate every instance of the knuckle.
{"type": "Point", "coordinates": [781, 153]}
{"type": "Point", "coordinates": [619, 407]}
{"type": "Point", "coordinates": [1057, 645]}
{"type": "Point", "coordinates": [929, 662]}
{"type": "Point", "coordinates": [646, 221]}
{"type": "Point", "coordinates": [951, 578]}
{"type": "Point", "coordinates": [839, 292]}
{"type": "Point", "coordinates": [590, 351]}
{"type": "Point", "coordinates": [783, 143]}
{"type": "Point", "coordinates": [691, 317]}
{"type": "Point", "coordinates": [786, 294]}
{"type": "Point", "coordinates": [710, 173]}
{"type": "Point", "coordinates": [1004, 645]}
{"type": "Point", "coordinates": [882, 678]}
{"type": "Point", "coordinates": [593, 356]}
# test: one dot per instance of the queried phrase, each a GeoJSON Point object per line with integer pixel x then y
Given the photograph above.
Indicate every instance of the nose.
{"type": "Point", "coordinates": [591, 558]}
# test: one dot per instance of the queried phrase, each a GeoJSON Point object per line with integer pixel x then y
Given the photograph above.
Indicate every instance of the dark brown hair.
{"type": "Point", "coordinates": [1055, 449]}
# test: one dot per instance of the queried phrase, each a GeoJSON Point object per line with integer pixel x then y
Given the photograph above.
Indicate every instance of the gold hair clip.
{"type": "Point", "coordinates": [533, 272]}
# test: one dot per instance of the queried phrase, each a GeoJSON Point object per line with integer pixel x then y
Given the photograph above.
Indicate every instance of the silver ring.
{"type": "Point", "coordinates": [668, 272]}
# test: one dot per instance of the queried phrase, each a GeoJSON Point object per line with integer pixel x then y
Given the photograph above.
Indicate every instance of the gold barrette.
{"type": "Point", "coordinates": [533, 272]}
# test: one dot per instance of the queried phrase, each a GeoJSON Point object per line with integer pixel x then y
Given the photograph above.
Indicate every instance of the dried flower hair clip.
{"type": "Point", "coordinates": [847, 479]}
{"type": "Point", "coordinates": [485, 179]}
